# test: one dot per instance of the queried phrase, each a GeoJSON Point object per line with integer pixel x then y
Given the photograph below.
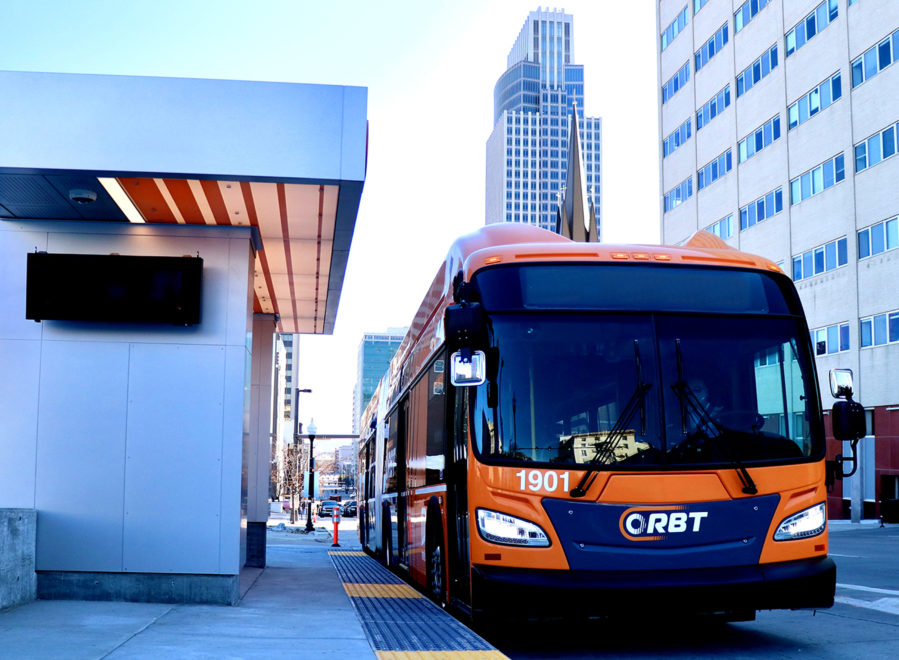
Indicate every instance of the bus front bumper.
{"type": "Point", "coordinates": [808, 583]}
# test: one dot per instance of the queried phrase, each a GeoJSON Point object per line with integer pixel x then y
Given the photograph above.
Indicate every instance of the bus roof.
{"type": "Point", "coordinates": [518, 243]}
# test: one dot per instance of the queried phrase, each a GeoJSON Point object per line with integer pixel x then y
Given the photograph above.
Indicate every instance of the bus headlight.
{"type": "Point", "coordinates": [804, 524]}
{"type": "Point", "coordinates": [509, 530]}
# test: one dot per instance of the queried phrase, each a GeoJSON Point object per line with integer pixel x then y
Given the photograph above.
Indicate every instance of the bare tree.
{"type": "Point", "coordinates": [295, 463]}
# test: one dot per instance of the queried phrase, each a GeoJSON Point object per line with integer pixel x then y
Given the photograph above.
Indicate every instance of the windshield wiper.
{"type": "Point", "coordinates": [636, 402]}
{"type": "Point", "coordinates": [705, 422]}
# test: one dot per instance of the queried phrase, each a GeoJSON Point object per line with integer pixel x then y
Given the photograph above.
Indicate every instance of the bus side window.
{"type": "Point", "coordinates": [436, 424]}
{"type": "Point", "coordinates": [390, 476]}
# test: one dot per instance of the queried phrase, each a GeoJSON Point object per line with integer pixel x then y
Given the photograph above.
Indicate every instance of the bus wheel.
{"type": "Point", "coordinates": [436, 573]}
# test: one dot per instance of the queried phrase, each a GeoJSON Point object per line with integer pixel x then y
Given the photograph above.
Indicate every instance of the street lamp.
{"type": "Point", "coordinates": [297, 427]}
{"type": "Point", "coordinates": [312, 431]}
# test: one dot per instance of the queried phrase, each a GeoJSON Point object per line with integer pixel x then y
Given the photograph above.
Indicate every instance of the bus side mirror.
{"type": "Point", "coordinates": [464, 324]}
{"type": "Point", "coordinates": [468, 368]}
{"type": "Point", "coordinates": [841, 383]}
{"type": "Point", "coordinates": [848, 421]}
{"type": "Point", "coordinates": [848, 416]}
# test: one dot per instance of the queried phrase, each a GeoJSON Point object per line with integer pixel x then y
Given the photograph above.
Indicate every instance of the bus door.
{"type": "Point", "coordinates": [393, 518]}
{"type": "Point", "coordinates": [457, 496]}
{"type": "Point", "coordinates": [366, 510]}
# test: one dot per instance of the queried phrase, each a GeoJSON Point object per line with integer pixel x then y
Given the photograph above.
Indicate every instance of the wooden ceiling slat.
{"type": "Point", "coordinates": [184, 199]}
{"type": "Point", "coordinates": [295, 223]}
{"type": "Point", "coordinates": [148, 199]}
{"type": "Point", "coordinates": [215, 201]}
{"type": "Point", "coordinates": [199, 194]}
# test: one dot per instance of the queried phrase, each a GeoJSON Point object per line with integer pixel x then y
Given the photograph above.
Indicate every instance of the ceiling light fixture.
{"type": "Point", "coordinates": [120, 197]}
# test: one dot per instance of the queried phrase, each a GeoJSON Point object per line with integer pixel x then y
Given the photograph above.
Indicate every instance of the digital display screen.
{"type": "Point", "coordinates": [114, 288]}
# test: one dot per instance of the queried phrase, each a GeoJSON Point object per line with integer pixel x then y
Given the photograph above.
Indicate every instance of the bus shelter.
{"type": "Point", "coordinates": [143, 442]}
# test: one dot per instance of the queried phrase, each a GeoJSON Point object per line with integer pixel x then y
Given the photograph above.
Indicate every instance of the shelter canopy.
{"type": "Point", "coordinates": [287, 160]}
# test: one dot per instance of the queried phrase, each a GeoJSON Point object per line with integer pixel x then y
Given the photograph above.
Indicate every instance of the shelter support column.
{"type": "Point", "coordinates": [259, 456]}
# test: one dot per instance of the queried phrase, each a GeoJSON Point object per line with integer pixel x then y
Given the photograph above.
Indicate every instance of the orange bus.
{"type": "Point", "coordinates": [601, 429]}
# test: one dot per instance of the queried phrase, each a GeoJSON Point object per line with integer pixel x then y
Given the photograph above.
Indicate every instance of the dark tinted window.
{"type": "Point", "coordinates": [634, 287]}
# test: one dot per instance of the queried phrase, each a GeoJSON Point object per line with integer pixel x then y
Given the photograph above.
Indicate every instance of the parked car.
{"type": "Point", "coordinates": [327, 508]}
{"type": "Point", "coordinates": [349, 508]}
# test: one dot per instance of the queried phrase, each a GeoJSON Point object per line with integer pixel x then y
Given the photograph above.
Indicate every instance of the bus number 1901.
{"type": "Point", "coordinates": [537, 480]}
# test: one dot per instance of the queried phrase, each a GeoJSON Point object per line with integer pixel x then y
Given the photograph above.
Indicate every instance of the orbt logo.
{"type": "Point", "coordinates": [657, 522]}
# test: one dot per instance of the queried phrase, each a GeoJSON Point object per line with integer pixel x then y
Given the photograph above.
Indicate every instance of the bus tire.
{"type": "Point", "coordinates": [435, 557]}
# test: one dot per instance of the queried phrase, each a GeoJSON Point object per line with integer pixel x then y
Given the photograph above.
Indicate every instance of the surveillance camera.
{"type": "Point", "coordinates": [81, 196]}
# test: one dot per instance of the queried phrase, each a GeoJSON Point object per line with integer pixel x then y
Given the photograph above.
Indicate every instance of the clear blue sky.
{"type": "Point", "coordinates": [430, 67]}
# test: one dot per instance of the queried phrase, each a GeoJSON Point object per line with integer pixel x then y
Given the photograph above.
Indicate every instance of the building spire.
{"type": "Point", "coordinates": [576, 216]}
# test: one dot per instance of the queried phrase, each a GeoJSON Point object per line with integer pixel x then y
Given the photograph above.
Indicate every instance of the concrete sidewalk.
{"type": "Point", "coordinates": [294, 608]}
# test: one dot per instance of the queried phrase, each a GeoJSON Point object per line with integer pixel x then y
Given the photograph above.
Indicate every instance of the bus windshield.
{"type": "Point", "coordinates": [650, 389]}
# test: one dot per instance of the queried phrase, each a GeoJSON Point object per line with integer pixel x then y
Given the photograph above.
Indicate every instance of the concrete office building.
{"type": "Point", "coordinates": [376, 350]}
{"type": "Point", "coordinates": [778, 126]}
{"type": "Point", "coordinates": [144, 445]}
{"type": "Point", "coordinates": [527, 152]}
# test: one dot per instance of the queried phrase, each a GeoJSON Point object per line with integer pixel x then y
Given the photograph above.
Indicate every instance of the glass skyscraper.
{"type": "Point", "coordinates": [527, 153]}
{"type": "Point", "coordinates": [376, 350]}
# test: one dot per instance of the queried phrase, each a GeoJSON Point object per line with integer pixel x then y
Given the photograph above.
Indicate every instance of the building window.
{"type": "Point", "coordinates": [815, 101]}
{"type": "Point", "coordinates": [759, 139]}
{"type": "Point", "coordinates": [832, 339]}
{"type": "Point", "coordinates": [714, 170]}
{"type": "Point", "coordinates": [680, 135]}
{"type": "Point", "coordinates": [752, 74]}
{"type": "Point", "coordinates": [811, 25]}
{"type": "Point", "coordinates": [820, 259]}
{"type": "Point", "coordinates": [724, 228]}
{"type": "Point", "coordinates": [676, 82]}
{"type": "Point", "coordinates": [674, 29]}
{"type": "Point", "coordinates": [714, 107]}
{"type": "Point", "coordinates": [679, 194]}
{"type": "Point", "coordinates": [876, 148]}
{"type": "Point", "coordinates": [697, 5]}
{"type": "Point", "coordinates": [817, 179]}
{"type": "Point", "coordinates": [875, 59]}
{"type": "Point", "coordinates": [747, 12]}
{"type": "Point", "coordinates": [711, 47]}
{"type": "Point", "coordinates": [879, 329]}
{"type": "Point", "coordinates": [878, 238]}
{"type": "Point", "coordinates": [761, 209]}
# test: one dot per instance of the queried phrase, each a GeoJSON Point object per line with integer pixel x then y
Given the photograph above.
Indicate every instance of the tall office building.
{"type": "Point", "coordinates": [285, 367]}
{"type": "Point", "coordinates": [376, 350]}
{"type": "Point", "coordinates": [779, 125]}
{"type": "Point", "coordinates": [286, 350]}
{"type": "Point", "coordinates": [527, 152]}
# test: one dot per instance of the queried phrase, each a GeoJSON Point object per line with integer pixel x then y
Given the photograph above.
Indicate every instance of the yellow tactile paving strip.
{"type": "Point", "coordinates": [400, 623]}
{"type": "Point", "coordinates": [347, 553]}
{"type": "Point", "coordinates": [380, 591]}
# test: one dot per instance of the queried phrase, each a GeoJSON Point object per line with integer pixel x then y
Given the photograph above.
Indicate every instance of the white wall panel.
{"type": "Point", "coordinates": [15, 244]}
{"type": "Point", "coordinates": [80, 456]}
{"type": "Point", "coordinates": [20, 360]}
{"type": "Point", "coordinates": [174, 458]}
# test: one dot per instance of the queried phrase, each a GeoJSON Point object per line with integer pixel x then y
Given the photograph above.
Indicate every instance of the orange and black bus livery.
{"type": "Point", "coordinates": [601, 429]}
